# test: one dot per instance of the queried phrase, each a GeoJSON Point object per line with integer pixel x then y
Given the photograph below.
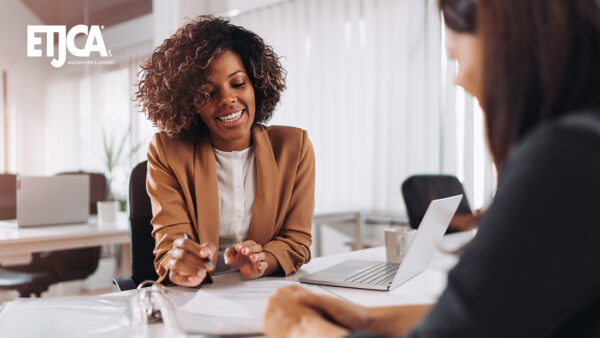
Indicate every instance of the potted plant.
{"type": "Point", "coordinates": [114, 153]}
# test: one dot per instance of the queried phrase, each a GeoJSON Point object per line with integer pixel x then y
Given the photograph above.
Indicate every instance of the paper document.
{"type": "Point", "coordinates": [233, 298]}
{"type": "Point", "coordinates": [231, 305]}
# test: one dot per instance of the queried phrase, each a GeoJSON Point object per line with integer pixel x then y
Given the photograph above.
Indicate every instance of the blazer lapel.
{"type": "Point", "coordinates": [266, 200]}
{"type": "Point", "coordinates": [207, 193]}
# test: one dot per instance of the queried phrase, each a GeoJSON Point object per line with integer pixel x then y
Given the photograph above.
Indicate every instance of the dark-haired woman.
{"type": "Point", "coordinates": [227, 192]}
{"type": "Point", "coordinates": [532, 270]}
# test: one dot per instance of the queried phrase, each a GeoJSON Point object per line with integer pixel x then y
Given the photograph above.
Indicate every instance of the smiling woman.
{"type": "Point", "coordinates": [224, 187]}
{"type": "Point", "coordinates": [229, 112]}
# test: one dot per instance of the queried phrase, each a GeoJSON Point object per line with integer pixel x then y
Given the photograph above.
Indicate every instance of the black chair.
{"type": "Point", "coordinates": [419, 190]}
{"type": "Point", "coordinates": [140, 232]}
{"type": "Point", "coordinates": [25, 283]}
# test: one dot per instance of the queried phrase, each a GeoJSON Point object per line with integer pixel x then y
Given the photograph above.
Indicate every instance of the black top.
{"type": "Point", "coordinates": [533, 270]}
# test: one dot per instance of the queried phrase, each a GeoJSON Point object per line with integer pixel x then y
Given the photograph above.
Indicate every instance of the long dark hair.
{"type": "Point", "coordinates": [541, 61]}
{"type": "Point", "coordinates": [459, 16]}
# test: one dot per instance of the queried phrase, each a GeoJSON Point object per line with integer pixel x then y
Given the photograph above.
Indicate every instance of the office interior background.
{"type": "Point", "coordinates": [368, 79]}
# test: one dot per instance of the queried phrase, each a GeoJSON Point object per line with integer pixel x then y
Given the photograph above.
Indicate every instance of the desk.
{"type": "Point", "coordinates": [424, 288]}
{"type": "Point", "coordinates": [17, 244]}
{"type": "Point", "coordinates": [358, 219]}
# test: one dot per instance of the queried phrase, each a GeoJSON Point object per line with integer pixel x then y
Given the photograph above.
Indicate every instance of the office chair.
{"type": "Point", "coordinates": [75, 264]}
{"type": "Point", "coordinates": [51, 267]}
{"type": "Point", "coordinates": [419, 190]}
{"type": "Point", "coordinates": [140, 232]}
{"type": "Point", "coordinates": [25, 283]}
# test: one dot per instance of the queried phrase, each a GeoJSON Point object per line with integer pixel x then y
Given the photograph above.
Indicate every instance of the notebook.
{"type": "Point", "coordinates": [388, 276]}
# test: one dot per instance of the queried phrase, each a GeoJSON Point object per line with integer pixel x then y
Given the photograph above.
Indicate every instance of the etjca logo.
{"type": "Point", "coordinates": [66, 41]}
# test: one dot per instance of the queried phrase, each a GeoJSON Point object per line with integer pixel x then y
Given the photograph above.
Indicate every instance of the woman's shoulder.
{"type": "Point", "coordinates": [162, 140]}
{"type": "Point", "coordinates": [286, 135]}
{"type": "Point", "coordinates": [569, 138]}
{"type": "Point", "coordinates": [571, 128]}
{"type": "Point", "coordinates": [285, 142]}
{"type": "Point", "coordinates": [560, 158]}
{"type": "Point", "coordinates": [283, 132]}
{"type": "Point", "coordinates": [170, 149]}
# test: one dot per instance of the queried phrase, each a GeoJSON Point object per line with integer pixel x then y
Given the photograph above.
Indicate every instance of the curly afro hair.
{"type": "Point", "coordinates": [170, 88]}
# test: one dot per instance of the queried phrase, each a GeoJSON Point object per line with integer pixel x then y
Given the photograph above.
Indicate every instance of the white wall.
{"type": "Point", "coordinates": [28, 79]}
{"type": "Point", "coordinates": [130, 39]}
{"type": "Point", "coordinates": [25, 89]}
{"type": "Point", "coordinates": [363, 80]}
{"type": "Point", "coordinates": [168, 15]}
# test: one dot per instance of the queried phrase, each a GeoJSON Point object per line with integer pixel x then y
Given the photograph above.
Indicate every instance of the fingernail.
{"type": "Point", "coordinates": [246, 250]}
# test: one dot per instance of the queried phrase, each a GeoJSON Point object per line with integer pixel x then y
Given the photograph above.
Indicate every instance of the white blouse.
{"type": "Point", "coordinates": [236, 176]}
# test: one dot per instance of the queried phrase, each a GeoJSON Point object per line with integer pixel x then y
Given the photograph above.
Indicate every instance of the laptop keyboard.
{"type": "Point", "coordinates": [378, 274]}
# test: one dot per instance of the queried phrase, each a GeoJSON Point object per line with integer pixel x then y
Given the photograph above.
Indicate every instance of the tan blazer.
{"type": "Point", "coordinates": [182, 184]}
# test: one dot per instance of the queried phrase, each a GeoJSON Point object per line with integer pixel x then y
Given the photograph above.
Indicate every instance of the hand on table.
{"type": "Point", "coordinates": [249, 258]}
{"type": "Point", "coordinates": [464, 222]}
{"type": "Point", "coordinates": [188, 266]}
{"type": "Point", "coordinates": [288, 315]}
{"type": "Point", "coordinates": [386, 321]}
{"type": "Point", "coordinates": [342, 312]}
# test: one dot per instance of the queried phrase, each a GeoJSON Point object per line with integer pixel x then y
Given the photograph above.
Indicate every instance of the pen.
{"type": "Point", "coordinates": [205, 259]}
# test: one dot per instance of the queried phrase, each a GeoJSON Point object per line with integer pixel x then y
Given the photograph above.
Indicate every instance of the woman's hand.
{"type": "Point", "coordinates": [464, 222]}
{"type": "Point", "coordinates": [188, 266]}
{"type": "Point", "coordinates": [386, 321]}
{"type": "Point", "coordinates": [250, 259]}
{"type": "Point", "coordinates": [286, 317]}
{"type": "Point", "coordinates": [343, 312]}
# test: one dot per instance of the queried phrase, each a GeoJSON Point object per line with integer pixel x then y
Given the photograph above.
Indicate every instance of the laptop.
{"type": "Point", "coordinates": [388, 276]}
{"type": "Point", "coordinates": [46, 200]}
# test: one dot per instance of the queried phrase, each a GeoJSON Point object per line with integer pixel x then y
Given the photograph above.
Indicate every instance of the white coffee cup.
{"type": "Point", "coordinates": [397, 240]}
{"type": "Point", "coordinates": [107, 211]}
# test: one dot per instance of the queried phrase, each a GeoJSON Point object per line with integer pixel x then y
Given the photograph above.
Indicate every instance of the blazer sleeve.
{"type": "Point", "coordinates": [291, 244]}
{"type": "Point", "coordinates": [171, 218]}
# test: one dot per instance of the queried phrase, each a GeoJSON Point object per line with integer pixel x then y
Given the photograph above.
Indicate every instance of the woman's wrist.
{"type": "Point", "coordinates": [367, 320]}
{"type": "Point", "coordinates": [272, 264]}
{"type": "Point", "coordinates": [317, 327]}
{"type": "Point", "coordinates": [394, 320]}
